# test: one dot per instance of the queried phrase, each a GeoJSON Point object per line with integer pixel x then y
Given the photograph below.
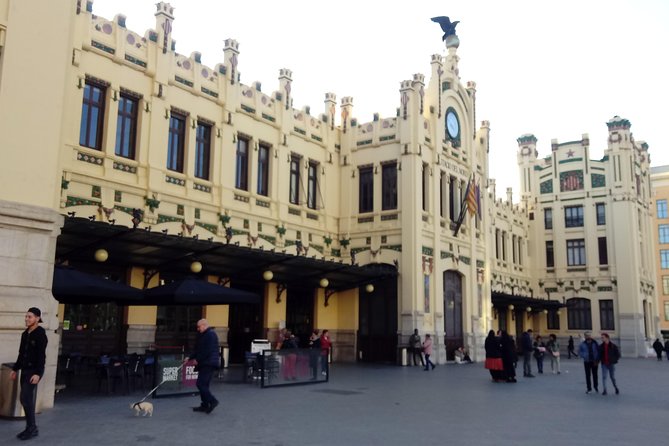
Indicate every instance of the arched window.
{"type": "Point", "coordinates": [579, 315]}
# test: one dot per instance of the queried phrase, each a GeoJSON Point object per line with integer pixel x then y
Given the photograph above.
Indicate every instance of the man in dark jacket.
{"type": "Point", "coordinates": [528, 348]}
{"type": "Point", "coordinates": [609, 355]}
{"type": "Point", "coordinates": [31, 360]}
{"type": "Point", "coordinates": [589, 351]}
{"type": "Point", "coordinates": [206, 362]}
{"type": "Point", "coordinates": [657, 346]}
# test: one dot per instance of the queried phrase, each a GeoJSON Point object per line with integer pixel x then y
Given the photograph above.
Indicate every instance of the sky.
{"type": "Point", "coordinates": [553, 69]}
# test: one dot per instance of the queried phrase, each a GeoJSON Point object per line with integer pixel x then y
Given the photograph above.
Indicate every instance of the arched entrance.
{"type": "Point", "coordinates": [453, 334]}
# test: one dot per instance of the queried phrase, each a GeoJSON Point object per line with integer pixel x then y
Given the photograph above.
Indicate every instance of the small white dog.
{"type": "Point", "coordinates": [143, 408]}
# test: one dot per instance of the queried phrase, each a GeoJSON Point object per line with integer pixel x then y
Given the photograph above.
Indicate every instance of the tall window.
{"type": "Point", "coordinates": [453, 199]}
{"type": "Point", "coordinates": [426, 186]}
{"type": "Point", "coordinates": [497, 240]}
{"type": "Point", "coordinates": [242, 164]}
{"type": "Point", "coordinates": [575, 252]}
{"type": "Point", "coordinates": [263, 170]}
{"type": "Point", "coordinates": [513, 247]}
{"type": "Point", "coordinates": [366, 191]}
{"type": "Point", "coordinates": [312, 184]}
{"type": "Point", "coordinates": [666, 311]}
{"type": "Point", "coordinates": [126, 126]}
{"type": "Point", "coordinates": [553, 320]}
{"type": "Point", "coordinates": [294, 197]}
{"type": "Point", "coordinates": [664, 258]}
{"type": "Point", "coordinates": [92, 115]}
{"type": "Point", "coordinates": [663, 233]}
{"type": "Point", "coordinates": [442, 194]}
{"type": "Point", "coordinates": [573, 216]}
{"type": "Point", "coordinates": [388, 186]}
{"type": "Point", "coordinates": [548, 218]}
{"type": "Point", "coordinates": [601, 213]}
{"type": "Point", "coordinates": [202, 150]}
{"type": "Point", "coordinates": [661, 208]}
{"type": "Point", "coordinates": [520, 250]}
{"type": "Point", "coordinates": [504, 237]}
{"type": "Point", "coordinates": [579, 315]}
{"type": "Point", "coordinates": [550, 260]}
{"type": "Point", "coordinates": [606, 315]}
{"type": "Point", "coordinates": [603, 251]}
{"type": "Point", "coordinates": [176, 142]}
{"type": "Point", "coordinates": [665, 285]}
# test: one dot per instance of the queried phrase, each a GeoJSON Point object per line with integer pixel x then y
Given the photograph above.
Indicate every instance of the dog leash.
{"type": "Point", "coordinates": [156, 388]}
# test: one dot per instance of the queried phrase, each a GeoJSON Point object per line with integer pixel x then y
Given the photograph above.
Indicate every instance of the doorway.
{"type": "Point", "coordinates": [300, 313]}
{"type": "Point", "coordinates": [377, 331]}
{"type": "Point", "coordinates": [453, 334]}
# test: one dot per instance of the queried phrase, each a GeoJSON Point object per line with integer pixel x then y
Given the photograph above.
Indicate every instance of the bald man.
{"type": "Point", "coordinates": [206, 362]}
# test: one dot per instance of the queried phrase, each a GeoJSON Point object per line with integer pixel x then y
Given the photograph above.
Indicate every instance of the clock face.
{"type": "Point", "coordinates": [452, 124]}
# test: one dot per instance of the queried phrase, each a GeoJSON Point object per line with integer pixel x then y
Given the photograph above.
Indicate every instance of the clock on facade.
{"type": "Point", "coordinates": [452, 124]}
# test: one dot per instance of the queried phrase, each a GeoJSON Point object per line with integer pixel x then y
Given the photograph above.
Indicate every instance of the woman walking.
{"type": "Point", "coordinates": [493, 357]}
{"type": "Point", "coordinates": [427, 351]}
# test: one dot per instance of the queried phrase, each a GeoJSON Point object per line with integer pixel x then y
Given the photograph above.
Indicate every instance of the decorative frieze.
{"type": "Point", "coordinates": [89, 158]}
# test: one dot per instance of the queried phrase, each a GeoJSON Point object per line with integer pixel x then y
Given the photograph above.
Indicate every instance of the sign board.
{"type": "Point", "coordinates": [260, 345]}
{"type": "Point", "coordinates": [176, 380]}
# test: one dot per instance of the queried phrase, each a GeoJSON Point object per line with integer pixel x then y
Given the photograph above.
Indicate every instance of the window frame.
{"type": "Point", "coordinates": [664, 258]}
{"type": "Point", "coordinates": [176, 142]}
{"type": "Point", "coordinates": [606, 314]}
{"type": "Point", "coordinates": [312, 184]}
{"type": "Point", "coordinates": [242, 163]}
{"type": "Point", "coordinates": [262, 188]}
{"type": "Point", "coordinates": [203, 151]}
{"type": "Point", "coordinates": [548, 218]}
{"type": "Point", "coordinates": [571, 220]}
{"type": "Point", "coordinates": [603, 250]}
{"type": "Point", "coordinates": [126, 139]}
{"type": "Point", "coordinates": [365, 189]}
{"type": "Point", "coordinates": [89, 104]}
{"type": "Point", "coordinates": [661, 208]}
{"type": "Point", "coordinates": [550, 254]}
{"type": "Point", "coordinates": [576, 255]}
{"type": "Point", "coordinates": [294, 184]}
{"type": "Point", "coordinates": [389, 186]}
{"type": "Point", "coordinates": [663, 233]}
{"type": "Point", "coordinates": [600, 211]}
{"type": "Point", "coordinates": [579, 314]}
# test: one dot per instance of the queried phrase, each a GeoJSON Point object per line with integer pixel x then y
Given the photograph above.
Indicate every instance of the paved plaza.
{"type": "Point", "coordinates": [380, 405]}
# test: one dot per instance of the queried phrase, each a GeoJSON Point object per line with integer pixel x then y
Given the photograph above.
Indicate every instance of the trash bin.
{"type": "Point", "coordinates": [10, 405]}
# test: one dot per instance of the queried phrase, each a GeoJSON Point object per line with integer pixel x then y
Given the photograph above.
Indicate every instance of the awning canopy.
{"type": "Point", "coordinates": [75, 287]}
{"type": "Point", "coordinates": [172, 255]}
{"type": "Point", "coordinates": [192, 291]}
{"type": "Point", "coordinates": [503, 300]}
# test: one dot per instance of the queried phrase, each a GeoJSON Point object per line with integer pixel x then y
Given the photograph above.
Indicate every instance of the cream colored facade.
{"type": "Point", "coordinates": [659, 177]}
{"type": "Point", "coordinates": [445, 280]}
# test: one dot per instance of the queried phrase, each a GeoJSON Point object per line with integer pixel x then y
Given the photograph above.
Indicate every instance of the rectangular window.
{"type": "Point", "coordinates": [126, 127]}
{"type": "Point", "coordinates": [548, 218]}
{"type": "Point", "coordinates": [263, 170]}
{"type": "Point", "coordinates": [497, 236]}
{"type": "Point", "coordinates": [606, 315]}
{"type": "Point", "coordinates": [661, 208]}
{"type": "Point", "coordinates": [92, 116]}
{"type": "Point", "coordinates": [553, 320]}
{"type": "Point", "coordinates": [366, 192]}
{"type": "Point", "coordinates": [665, 285]}
{"type": "Point", "coordinates": [575, 252]}
{"type": "Point", "coordinates": [520, 250]}
{"type": "Point", "coordinates": [579, 314]}
{"type": "Point", "coordinates": [573, 216]}
{"type": "Point", "coordinates": [388, 186]}
{"type": "Point", "coordinates": [176, 142]}
{"type": "Point", "coordinates": [603, 251]}
{"type": "Point", "coordinates": [513, 247]}
{"type": "Point", "coordinates": [550, 261]}
{"type": "Point", "coordinates": [442, 194]}
{"type": "Point", "coordinates": [312, 184]}
{"type": "Point", "coordinates": [294, 197]}
{"type": "Point", "coordinates": [426, 186]}
{"type": "Point", "coordinates": [664, 258]}
{"type": "Point", "coordinates": [601, 213]}
{"type": "Point", "coordinates": [504, 237]}
{"type": "Point", "coordinates": [202, 150]}
{"type": "Point", "coordinates": [666, 311]}
{"type": "Point", "coordinates": [242, 164]}
{"type": "Point", "coordinates": [663, 233]}
{"type": "Point", "coordinates": [453, 199]}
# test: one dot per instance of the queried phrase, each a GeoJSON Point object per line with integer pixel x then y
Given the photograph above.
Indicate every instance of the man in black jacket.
{"type": "Point", "coordinates": [206, 362]}
{"type": "Point", "coordinates": [31, 360]}
{"type": "Point", "coordinates": [609, 354]}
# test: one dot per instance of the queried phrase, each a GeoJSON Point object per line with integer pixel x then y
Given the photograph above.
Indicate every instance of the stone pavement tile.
{"type": "Point", "coordinates": [381, 405]}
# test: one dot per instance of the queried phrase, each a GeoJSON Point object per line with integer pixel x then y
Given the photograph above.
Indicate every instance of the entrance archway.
{"type": "Point", "coordinates": [453, 333]}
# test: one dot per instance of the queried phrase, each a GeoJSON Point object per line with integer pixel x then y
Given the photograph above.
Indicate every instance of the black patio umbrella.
{"type": "Point", "coordinates": [75, 287]}
{"type": "Point", "coordinates": [191, 291]}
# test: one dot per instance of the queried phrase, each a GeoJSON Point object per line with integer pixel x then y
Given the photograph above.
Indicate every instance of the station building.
{"type": "Point", "coordinates": [124, 159]}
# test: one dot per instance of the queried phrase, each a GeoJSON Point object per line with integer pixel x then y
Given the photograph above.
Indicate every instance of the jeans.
{"type": "Point", "coordinates": [204, 375]}
{"type": "Point", "coordinates": [417, 351]}
{"type": "Point", "coordinates": [540, 364]}
{"type": "Point", "coordinates": [28, 396]}
{"type": "Point", "coordinates": [609, 370]}
{"type": "Point", "coordinates": [555, 364]}
{"type": "Point", "coordinates": [527, 363]}
{"type": "Point", "coordinates": [590, 369]}
{"type": "Point", "coordinates": [428, 363]}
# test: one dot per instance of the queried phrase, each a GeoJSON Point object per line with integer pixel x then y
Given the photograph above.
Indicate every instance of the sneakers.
{"type": "Point", "coordinates": [200, 408]}
{"type": "Point", "coordinates": [30, 432]}
{"type": "Point", "coordinates": [211, 407]}
{"type": "Point", "coordinates": [587, 392]}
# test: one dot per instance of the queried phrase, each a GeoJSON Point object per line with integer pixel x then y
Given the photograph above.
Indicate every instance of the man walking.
{"type": "Point", "coordinates": [609, 354]}
{"type": "Point", "coordinates": [416, 347]}
{"type": "Point", "coordinates": [206, 362]}
{"type": "Point", "coordinates": [31, 360]}
{"type": "Point", "coordinates": [528, 348]}
{"type": "Point", "coordinates": [589, 351]}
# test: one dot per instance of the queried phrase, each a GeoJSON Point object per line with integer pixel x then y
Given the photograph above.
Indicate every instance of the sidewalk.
{"type": "Point", "coordinates": [381, 405]}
